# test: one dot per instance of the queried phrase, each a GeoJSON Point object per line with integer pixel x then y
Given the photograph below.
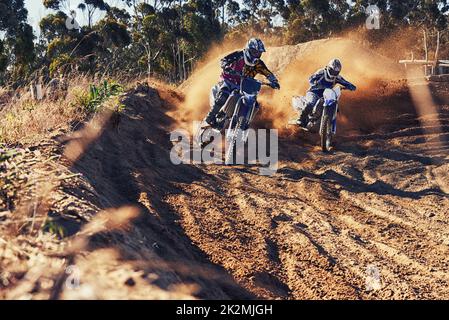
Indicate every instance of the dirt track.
{"type": "Point", "coordinates": [311, 231]}
{"type": "Point", "coordinates": [318, 229]}
{"type": "Point", "coordinates": [373, 213]}
{"type": "Point", "coordinates": [315, 230]}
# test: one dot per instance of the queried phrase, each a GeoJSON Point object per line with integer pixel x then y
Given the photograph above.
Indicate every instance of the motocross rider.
{"type": "Point", "coordinates": [325, 78]}
{"type": "Point", "coordinates": [243, 63]}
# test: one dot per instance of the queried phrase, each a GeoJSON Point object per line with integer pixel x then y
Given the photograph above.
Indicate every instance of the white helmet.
{"type": "Point", "coordinates": [253, 51]}
{"type": "Point", "coordinates": [333, 69]}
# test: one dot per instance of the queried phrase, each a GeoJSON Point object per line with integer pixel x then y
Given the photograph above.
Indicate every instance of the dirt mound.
{"type": "Point", "coordinates": [124, 239]}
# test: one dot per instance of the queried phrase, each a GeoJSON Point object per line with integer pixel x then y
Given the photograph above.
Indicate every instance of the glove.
{"type": "Point", "coordinates": [274, 83]}
{"type": "Point", "coordinates": [352, 87]}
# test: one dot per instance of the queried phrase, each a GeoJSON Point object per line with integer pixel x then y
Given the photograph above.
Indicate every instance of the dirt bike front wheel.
{"type": "Point", "coordinates": [236, 135]}
{"type": "Point", "coordinates": [326, 132]}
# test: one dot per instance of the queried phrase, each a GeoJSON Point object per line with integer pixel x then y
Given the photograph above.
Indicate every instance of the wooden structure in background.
{"type": "Point", "coordinates": [432, 68]}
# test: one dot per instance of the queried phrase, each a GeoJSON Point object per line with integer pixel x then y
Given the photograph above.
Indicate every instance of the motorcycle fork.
{"type": "Point", "coordinates": [249, 116]}
{"type": "Point", "coordinates": [334, 120]}
{"type": "Point", "coordinates": [234, 118]}
{"type": "Point", "coordinates": [332, 108]}
{"type": "Point", "coordinates": [252, 113]}
{"type": "Point", "coordinates": [315, 110]}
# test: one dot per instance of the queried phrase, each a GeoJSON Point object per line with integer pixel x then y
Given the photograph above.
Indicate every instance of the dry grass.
{"type": "Point", "coordinates": [3, 91]}
{"type": "Point", "coordinates": [26, 122]}
{"type": "Point", "coordinates": [28, 178]}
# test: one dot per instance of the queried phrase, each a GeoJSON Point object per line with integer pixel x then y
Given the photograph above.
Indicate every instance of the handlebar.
{"type": "Point", "coordinates": [262, 83]}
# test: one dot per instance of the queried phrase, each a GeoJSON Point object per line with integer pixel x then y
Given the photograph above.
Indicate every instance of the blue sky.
{"type": "Point", "coordinates": [36, 11]}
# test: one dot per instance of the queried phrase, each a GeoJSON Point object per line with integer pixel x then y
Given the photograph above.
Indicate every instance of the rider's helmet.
{"type": "Point", "coordinates": [253, 51]}
{"type": "Point", "coordinates": [333, 69]}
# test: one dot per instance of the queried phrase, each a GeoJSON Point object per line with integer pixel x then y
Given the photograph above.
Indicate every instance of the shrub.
{"type": "Point", "coordinates": [98, 95]}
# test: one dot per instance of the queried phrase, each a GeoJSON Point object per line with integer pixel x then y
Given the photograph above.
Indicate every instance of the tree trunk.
{"type": "Point", "coordinates": [179, 62]}
{"type": "Point", "coordinates": [149, 62]}
{"type": "Point", "coordinates": [174, 62]}
{"type": "Point", "coordinates": [438, 47]}
{"type": "Point", "coordinates": [425, 45]}
{"type": "Point", "coordinates": [184, 66]}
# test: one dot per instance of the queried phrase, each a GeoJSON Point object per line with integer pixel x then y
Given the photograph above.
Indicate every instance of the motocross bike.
{"type": "Point", "coordinates": [323, 118]}
{"type": "Point", "coordinates": [235, 116]}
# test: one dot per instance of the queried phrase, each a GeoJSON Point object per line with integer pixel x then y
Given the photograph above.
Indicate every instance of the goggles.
{"type": "Point", "coordinates": [255, 53]}
{"type": "Point", "coordinates": [334, 72]}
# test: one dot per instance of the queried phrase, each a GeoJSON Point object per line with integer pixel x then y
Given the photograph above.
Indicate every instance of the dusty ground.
{"type": "Point", "coordinates": [371, 215]}
{"type": "Point", "coordinates": [102, 213]}
{"type": "Point", "coordinates": [311, 232]}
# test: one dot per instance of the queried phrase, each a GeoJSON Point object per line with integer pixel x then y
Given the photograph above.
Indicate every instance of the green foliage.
{"type": "Point", "coordinates": [97, 95]}
{"type": "Point", "coordinates": [53, 26]}
{"type": "Point", "coordinates": [311, 19]}
{"type": "Point", "coordinates": [17, 40]}
{"type": "Point", "coordinates": [53, 227]}
{"type": "Point", "coordinates": [60, 63]}
{"type": "Point", "coordinates": [3, 62]}
{"type": "Point", "coordinates": [113, 32]}
{"type": "Point", "coordinates": [52, 4]}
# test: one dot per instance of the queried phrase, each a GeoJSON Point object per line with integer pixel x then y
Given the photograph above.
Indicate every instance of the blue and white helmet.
{"type": "Point", "coordinates": [333, 69]}
{"type": "Point", "coordinates": [253, 51]}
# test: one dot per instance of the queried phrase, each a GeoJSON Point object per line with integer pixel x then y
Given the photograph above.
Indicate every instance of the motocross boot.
{"type": "Point", "coordinates": [211, 117]}
{"type": "Point", "coordinates": [303, 120]}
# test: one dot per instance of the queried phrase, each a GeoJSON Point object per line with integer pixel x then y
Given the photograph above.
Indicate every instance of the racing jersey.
{"type": "Point", "coordinates": [319, 81]}
{"type": "Point", "coordinates": [234, 67]}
